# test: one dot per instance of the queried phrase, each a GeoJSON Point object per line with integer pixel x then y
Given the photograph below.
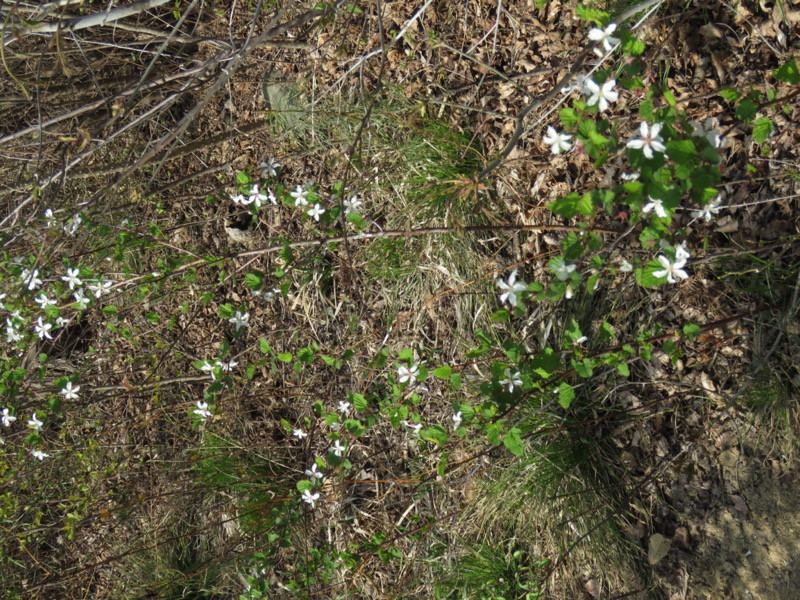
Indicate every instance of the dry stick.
{"type": "Point", "coordinates": [77, 23]}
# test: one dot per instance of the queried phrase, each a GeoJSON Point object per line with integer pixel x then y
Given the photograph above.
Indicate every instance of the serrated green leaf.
{"type": "Point", "coordinates": [284, 357]}
{"type": "Point", "coordinates": [761, 129]}
{"type": "Point", "coordinates": [681, 151]}
{"type": "Point", "coordinates": [442, 372]}
{"type": "Point", "coordinates": [435, 434]}
{"type": "Point", "coordinates": [632, 46]}
{"type": "Point", "coordinates": [493, 433]}
{"type": "Point", "coordinates": [264, 346]}
{"type": "Point", "coordinates": [441, 468]}
{"type": "Point", "coordinates": [242, 178]}
{"type": "Point", "coordinates": [566, 394]}
{"type": "Point", "coordinates": [359, 401]}
{"type": "Point", "coordinates": [584, 368]}
{"type": "Point", "coordinates": [585, 206]}
{"type": "Point", "coordinates": [646, 278]}
{"type": "Point", "coordinates": [513, 442]}
{"type": "Point", "coordinates": [788, 73]}
{"type": "Point", "coordinates": [569, 117]}
{"type": "Point", "coordinates": [225, 311]}
{"type": "Point", "coordinates": [546, 363]}
{"type": "Point", "coordinates": [254, 280]}
{"type": "Point", "coordinates": [566, 207]}
{"type": "Point", "coordinates": [691, 331]}
{"type": "Point", "coordinates": [746, 111]}
{"type": "Point", "coordinates": [406, 354]}
{"type": "Point", "coordinates": [303, 485]}
{"type": "Point", "coordinates": [623, 369]}
{"type": "Point", "coordinates": [455, 381]}
{"type": "Point", "coordinates": [354, 427]}
{"type": "Point", "coordinates": [730, 95]}
{"type": "Point", "coordinates": [593, 15]}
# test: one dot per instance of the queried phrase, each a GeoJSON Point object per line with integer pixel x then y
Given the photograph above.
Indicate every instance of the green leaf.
{"type": "Point", "coordinates": [546, 363]}
{"type": "Point", "coordinates": [584, 368]}
{"type": "Point", "coordinates": [681, 151]}
{"type": "Point", "coordinates": [225, 311]}
{"type": "Point", "coordinates": [285, 357]}
{"type": "Point", "coordinates": [493, 433]}
{"type": "Point", "coordinates": [455, 381]}
{"type": "Point", "coordinates": [109, 310]}
{"type": "Point", "coordinates": [746, 111]}
{"type": "Point", "coordinates": [606, 331]}
{"type": "Point", "coordinates": [513, 442]}
{"type": "Point", "coordinates": [305, 355]}
{"type": "Point", "coordinates": [406, 354]}
{"type": "Point", "coordinates": [623, 369]}
{"type": "Point", "coordinates": [442, 466]}
{"type": "Point", "coordinates": [646, 110]}
{"type": "Point", "coordinates": [501, 316]}
{"type": "Point", "coordinates": [264, 346]}
{"type": "Point", "coordinates": [303, 485]}
{"type": "Point", "coordinates": [669, 97]}
{"type": "Point", "coordinates": [691, 331]}
{"type": "Point", "coordinates": [585, 205]}
{"type": "Point", "coordinates": [593, 15]}
{"type": "Point", "coordinates": [631, 45]}
{"type": "Point", "coordinates": [730, 95]}
{"type": "Point", "coordinates": [254, 280]}
{"type": "Point", "coordinates": [359, 401]}
{"type": "Point", "coordinates": [442, 372]}
{"type": "Point", "coordinates": [354, 427]}
{"type": "Point", "coordinates": [761, 129]}
{"type": "Point", "coordinates": [569, 117]}
{"type": "Point", "coordinates": [566, 394]}
{"type": "Point", "coordinates": [566, 207]}
{"type": "Point", "coordinates": [788, 73]}
{"type": "Point", "coordinates": [435, 434]}
{"type": "Point", "coordinates": [242, 178]}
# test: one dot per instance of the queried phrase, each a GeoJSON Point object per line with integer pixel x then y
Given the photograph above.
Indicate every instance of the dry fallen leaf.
{"type": "Point", "coordinates": [658, 548]}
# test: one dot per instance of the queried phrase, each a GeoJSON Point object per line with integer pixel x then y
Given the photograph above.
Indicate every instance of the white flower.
{"type": "Point", "coordinates": [630, 176]}
{"type": "Point", "coordinates": [38, 454]}
{"type": "Point", "coordinates": [604, 36]}
{"type": "Point", "coordinates": [240, 320]}
{"type": "Point", "coordinates": [416, 427]}
{"type": "Point", "coordinates": [202, 410]}
{"type": "Point", "coordinates": [239, 199]}
{"type": "Point", "coordinates": [70, 392]}
{"type": "Point", "coordinates": [269, 168]}
{"type": "Point", "coordinates": [625, 266]}
{"type": "Point", "coordinates": [655, 205]}
{"type": "Point", "coordinates": [299, 434]}
{"type": "Point", "coordinates": [313, 473]}
{"type": "Point", "coordinates": [299, 195]}
{"type": "Point", "coordinates": [344, 407]}
{"type": "Point", "coordinates": [580, 82]}
{"type": "Point", "coordinates": [49, 218]}
{"type": "Point", "coordinates": [558, 142]}
{"type": "Point", "coordinates": [708, 131]}
{"type": "Point", "coordinates": [43, 301]}
{"type": "Point", "coordinates": [560, 267]}
{"type": "Point", "coordinates": [310, 498]}
{"type": "Point", "coordinates": [457, 420]}
{"type": "Point", "coordinates": [600, 95]}
{"type": "Point", "coordinates": [352, 205]}
{"type": "Point", "coordinates": [43, 329]}
{"type": "Point", "coordinates": [207, 367]}
{"type": "Point", "coordinates": [256, 197]}
{"type": "Point", "coordinates": [72, 225]}
{"type": "Point", "coordinates": [681, 254]}
{"type": "Point", "coordinates": [227, 366]}
{"type": "Point", "coordinates": [100, 288]}
{"type": "Point", "coordinates": [337, 448]}
{"type": "Point", "coordinates": [31, 279]}
{"type": "Point", "coordinates": [315, 212]}
{"type": "Point", "coordinates": [511, 380]}
{"type": "Point", "coordinates": [708, 211]}
{"type": "Point", "coordinates": [72, 278]}
{"type": "Point", "coordinates": [650, 140]}
{"type": "Point", "coordinates": [8, 419]}
{"type": "Point", "coordinates": [61, 321]}
{"type": "Point", "coordinates": [671, 270]}
{"type": "Point", "coordinates": [511, 288]}
{"type": "Point", "coordinates": [581, 339]}
{"type": "Point", "coordinates": [12, 334]}
{"type": "Point", "coordinates": [405, 374]}
{"type": "Point", "coordinates": [35, 423]}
